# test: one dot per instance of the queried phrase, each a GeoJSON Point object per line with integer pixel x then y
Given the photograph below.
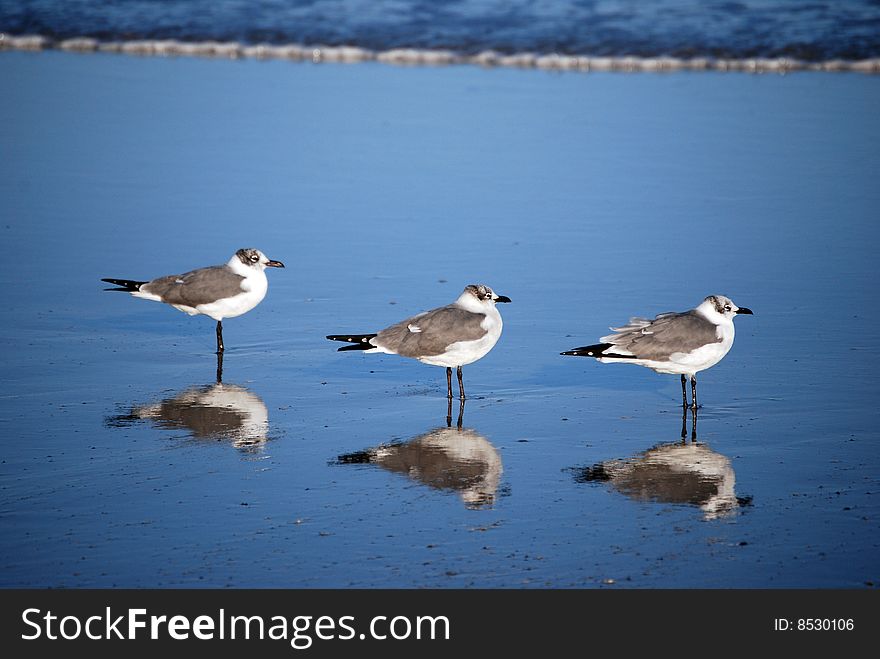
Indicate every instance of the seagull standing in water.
{"type": "Point", "coordinates": [218, 291]}
{"type": "Point", "coordinates": [676, 343]}
{"type": "Point", "coordinates": [451, 336]}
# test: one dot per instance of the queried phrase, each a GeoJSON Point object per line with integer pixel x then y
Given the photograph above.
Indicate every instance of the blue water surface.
{"type": "Point", "coordinates": [385, 190]}
{"type": "Point", "coordinates": [812, 30]}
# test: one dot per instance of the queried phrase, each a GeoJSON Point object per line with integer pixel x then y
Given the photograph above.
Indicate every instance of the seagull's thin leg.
{"type": "Point", "coordinates": [460, 385]}
{"type": "Point", "coordinates": [219, 367]}
{"type": "Point", "coordinates": [219, 337]}
{"type": "Point", "coordinates": [684, 427]}
{"type": "Point", "coordinates": [449, 413]}
{"type": "Point", "coordinates": [684, 397]}
{"type": "Point", "coordinates": [460, 413]}
{"type": "Point", "coordinates": [449, 385]}
{"type": "Point", "coordinates": [694, 427]}
{"type": "Point", "coordinates": [694, 390]}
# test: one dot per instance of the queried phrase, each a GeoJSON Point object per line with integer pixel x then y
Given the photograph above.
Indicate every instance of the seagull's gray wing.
{"type": "Point", "coordinates": [201, 286]}
{"type": "Point", "coordinates": [432, 332]}
{"type": "Point", "coordinates": [667, 334]}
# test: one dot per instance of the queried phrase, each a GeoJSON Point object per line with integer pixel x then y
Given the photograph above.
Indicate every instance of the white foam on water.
{"type": "Point", "coordinates": [427, 57]}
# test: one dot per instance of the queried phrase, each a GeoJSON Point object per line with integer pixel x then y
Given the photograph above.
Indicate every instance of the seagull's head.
{"type": "Point", "coordinates": [483, 294]}
{"type": "Point", "coordinates": [723, 306]}
{"type": "Point", "coordinates": [254, 258]}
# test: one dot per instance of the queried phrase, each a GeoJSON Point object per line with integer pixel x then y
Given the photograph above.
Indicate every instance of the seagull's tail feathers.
{"type": "Point", "coordinates": [125, 285]}
{"type": "Point", "coordinates": [358, 341]}
{"type": "Point", "coordinates": [596, 350]}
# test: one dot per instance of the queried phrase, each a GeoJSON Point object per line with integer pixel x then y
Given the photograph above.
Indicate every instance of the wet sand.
{"type": "Point", "coordinates": [586, 198]}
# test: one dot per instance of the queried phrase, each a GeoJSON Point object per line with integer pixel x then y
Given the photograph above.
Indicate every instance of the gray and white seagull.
{"type": "Point", "coordinates": [218, 291]}
{"type": "Point", "coordinates": [676, 343]}
{"type": "Point", "coordinates": [452, 336]}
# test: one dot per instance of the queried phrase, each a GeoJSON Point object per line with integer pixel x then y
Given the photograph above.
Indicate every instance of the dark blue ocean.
{"type": "Point", "coordinates": [811, 31]}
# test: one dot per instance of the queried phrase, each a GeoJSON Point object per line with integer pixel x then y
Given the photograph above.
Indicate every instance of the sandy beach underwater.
{"type": "Point", "coordinates": [585, 197]}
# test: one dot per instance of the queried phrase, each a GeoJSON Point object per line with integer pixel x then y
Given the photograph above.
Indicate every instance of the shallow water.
{"type": "Point", "coordinates": [814, 30]}
{"type": "Point", "coordinates": [586, 199]}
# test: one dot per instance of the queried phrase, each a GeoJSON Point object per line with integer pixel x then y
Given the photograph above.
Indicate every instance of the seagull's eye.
{"type": "Point", "coordinates": [727, 307]}
{"type": "Point", "coordinates": [256, 258]}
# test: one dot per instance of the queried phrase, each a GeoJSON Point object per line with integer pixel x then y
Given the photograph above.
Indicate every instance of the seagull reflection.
{"type": "Point", "coordinates": [446, 458]}
{"type": "Point", "coordinates": [213, 412]}
{"type": "Point", "coordinates": [677, 472]}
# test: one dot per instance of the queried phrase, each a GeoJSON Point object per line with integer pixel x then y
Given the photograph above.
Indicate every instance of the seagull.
{"type": "Point", "coordinates": [218, 291]}
{"type": "Point", "coordinates": [457, 334]}
{"type": "Point", "coordinates": [676, 343]}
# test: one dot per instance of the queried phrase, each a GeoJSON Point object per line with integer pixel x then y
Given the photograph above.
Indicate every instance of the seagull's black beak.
{"type": "Point", "coordinates": [502, 298]}
{"type": "Point", "coordinates": [744, 310]}
{"type": "Point", "coordinates": [274, 264]}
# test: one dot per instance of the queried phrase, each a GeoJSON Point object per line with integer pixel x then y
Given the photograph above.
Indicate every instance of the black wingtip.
{"type": "Point", "coordinates": [126, 285]}
{"type": "Point", "coordinates": [358, 341]}
{"type": "Point", "coordinates": [351, 338]}
{"type": "Point", "coordinates": [597, 350]}
{"type": "Point", "coordinates": [356, 346]}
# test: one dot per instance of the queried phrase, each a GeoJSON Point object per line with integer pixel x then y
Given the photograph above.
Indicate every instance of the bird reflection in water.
{"type": "Point", "coordinates": [678, 472]}
{"type": "Point", "coordinates": [212, 412]}
{"type": "Point", "coordinates": [445, 458]}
